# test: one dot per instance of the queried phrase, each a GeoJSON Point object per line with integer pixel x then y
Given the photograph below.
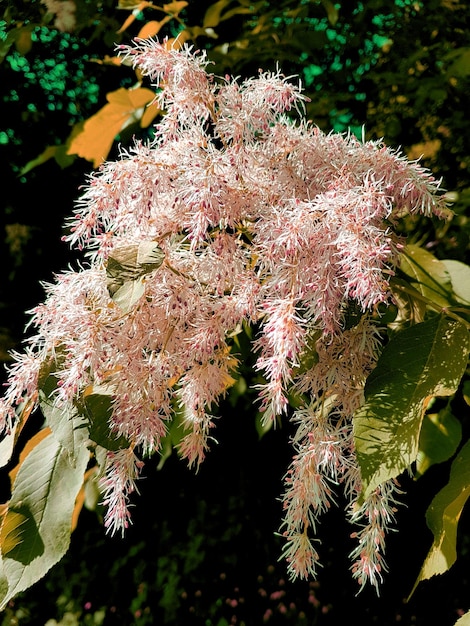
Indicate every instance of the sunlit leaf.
{"type": "Point", "coordinates": [96, 137]}
{"type": "Point", "coordinates": [422, 361]}
{"type": "Point", "coordinates": [428, 275]}
{"type": "Point", "coordinates": [443, 516]}
{"type": "Point", "coordinates": [135, 7]}
{"type": "Point", "coordinates": [150, 113]}
{"type": "Point", "coordinates": [68, 426]}
{"type": "Point", "coordinates": [35, 533]}
{"type": "Point", "coordinates": [8, 441]}
{"type": "Point", "coordinates": [126, 268]}
{"type": "Point", "coordinates": [152, 28]}
{"type": "Point", "coordinates": [175, 7]}
{"type": "Point", "coordinates": [29, 446]}
{"type": "Point", "coordinates": [464, 620]}
{"type": "Point", "coordinates": [65, 422]}
{"type": "Point", "coordinates": [460, 276]}
{"type": "Point", "coordinates": [131, 262]}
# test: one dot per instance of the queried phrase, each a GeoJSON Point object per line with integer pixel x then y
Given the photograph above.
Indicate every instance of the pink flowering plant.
{"type": "Point", "coordinates": [239, 216]}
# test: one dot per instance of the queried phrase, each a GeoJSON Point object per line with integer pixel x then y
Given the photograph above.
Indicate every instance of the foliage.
{"type": "Point", "coordinates": [206, 230]}
{"type": "Point", "coordinates": [359, 63]}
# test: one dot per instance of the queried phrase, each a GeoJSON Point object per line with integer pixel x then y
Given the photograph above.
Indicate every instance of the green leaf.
{"type": "Point", "coordinates": [47, 154]}
{"type": "Point", "coordinates": [173, 437]}
{"type": "Point", "coordinates": [262, 425]}
{"type": "Point", "coordinates": [439, 439]}
{"type": "Point", "coordinates": [466, 391]}
{"type": "Point", "coordinates": [98, 406]}
{"type": "Point", "coordinates": [460, 276]}
{"type": "Point", "coordinates": [67, 425]}
{"type": "Point", "coordinates": [443, 516]}
{"type": "Point", "coordinates": [460, 67]}
{"type": "Point", "coordinates": [8, 442]}
{"type": "Point", "coordinates": [69, 428]}
{"type": "Point", "coordinates": [425, 360]}
{"type": "Point", "coordinates": [428, 275]}
{"type": "Point", "coordinates": [35, 532]}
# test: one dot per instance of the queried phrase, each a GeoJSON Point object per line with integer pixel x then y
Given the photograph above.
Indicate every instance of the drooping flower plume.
{"type": "Point", "coordinates": [236, 214]}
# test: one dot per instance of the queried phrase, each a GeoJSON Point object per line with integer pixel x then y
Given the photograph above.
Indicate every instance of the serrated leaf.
{"type": "Point", "coordinates": [7, 444]}
{"type": "Point", "coordinates": [35, 533]}
{"type": "Point", "coordinates": [67, 425]}
{"type": "Point", "coordinates": [443, 516]}
{"type": "Point", "coordinates": [428, 275]}
{"type": "Point", "coordinates": [439, 438]}
{"type": "Point", "coordinates": [425, 360]}
{"type": "Point", "coordinates": [28, 447]}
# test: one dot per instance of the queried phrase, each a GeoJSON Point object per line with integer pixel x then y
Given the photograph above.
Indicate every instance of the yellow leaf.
{"type": "Point", "coordinates": [426, 150]}
{"type": "Point", "coordinates": [108, 60]}
{"type": "Point", "coordinates": [24, 42]}
{"type": "Point", "coordinates": [80, 500]}
{"type": "Point", "coordinates": [175, 43]}
{"type": "Point", "coordinates": [152, 28]}
{"type": "Point", "coordinates": [95, 139]}
{"type": "Point", "coordinates": [127, 22]}
{"type": "Point", "coordinates": [11, 531]}
{"type": "Point", "coordinates": [175, 7]}
{"type": "Point", "coordinates": [149, 115]}
{"type": "Point", "coordinates": [213, 14]}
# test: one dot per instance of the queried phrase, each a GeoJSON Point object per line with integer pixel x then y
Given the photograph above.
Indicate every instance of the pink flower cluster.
{"type": "Point", "coordinates": [255, 219]}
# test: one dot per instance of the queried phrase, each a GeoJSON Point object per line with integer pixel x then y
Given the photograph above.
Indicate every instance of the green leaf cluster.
{"type": "Point", "coordinates": [423, 365]}
{"type": "Point", "coordinates": [49, 484]}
